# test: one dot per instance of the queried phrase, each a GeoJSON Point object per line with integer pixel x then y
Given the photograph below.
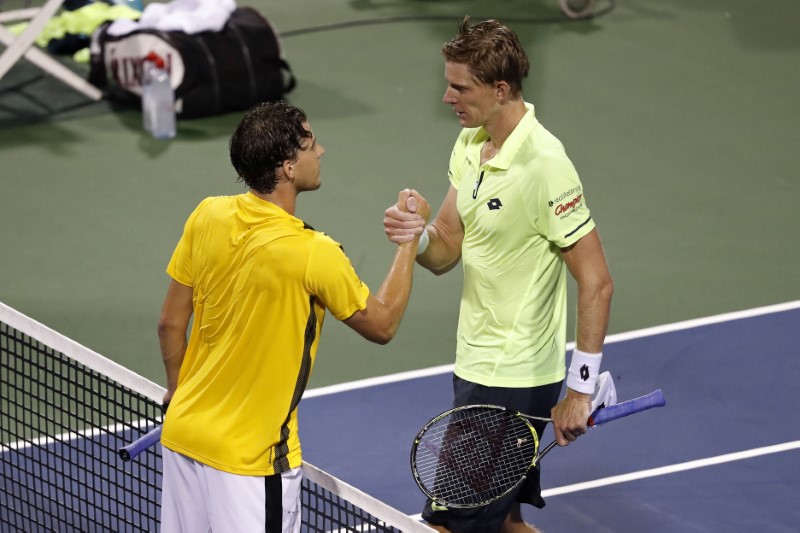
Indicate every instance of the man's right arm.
{"type": "Point", "coordinates": [380, 319]}
{"type": "Point", "coordinates": [445, 233]}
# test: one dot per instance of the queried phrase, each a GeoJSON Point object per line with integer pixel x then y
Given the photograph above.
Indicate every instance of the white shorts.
{"type": "Point", "coordinates": [196, 498]}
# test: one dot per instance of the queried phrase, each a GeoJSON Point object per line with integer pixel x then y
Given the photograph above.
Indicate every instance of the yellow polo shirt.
{"type": "Point", "coordinates": [261, 280]}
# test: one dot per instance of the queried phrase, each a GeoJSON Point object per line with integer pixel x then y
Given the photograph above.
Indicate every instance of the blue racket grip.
{"type": "Point", "coordinates": [642, 403]}
{"type": "Point", "coordinates": [129, 452]}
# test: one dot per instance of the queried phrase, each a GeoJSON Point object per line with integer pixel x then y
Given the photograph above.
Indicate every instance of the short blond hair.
{"type": "Point", "coordinates": [491, 51]}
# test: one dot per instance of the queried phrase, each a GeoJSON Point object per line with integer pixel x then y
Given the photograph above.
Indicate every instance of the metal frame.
{"type": "Point", "coordinates": [22, 45]}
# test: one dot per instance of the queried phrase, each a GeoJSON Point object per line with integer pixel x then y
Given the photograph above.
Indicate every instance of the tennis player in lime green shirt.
{"type": "Point", "coordinates": [517, 219]}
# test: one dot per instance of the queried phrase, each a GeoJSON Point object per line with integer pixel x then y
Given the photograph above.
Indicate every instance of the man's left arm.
{"type": "Point", "coordinates": [586, 262]}
{"type": "Point", "coordinates": [176, 313]}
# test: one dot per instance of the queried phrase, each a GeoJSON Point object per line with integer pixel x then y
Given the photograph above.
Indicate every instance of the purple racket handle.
{"type": "Point", "coordinates": [129, 452]}
{"type": "Point", "coordinates": [619, 410]}
{"type": "Point", "coordinates": [629, 407]}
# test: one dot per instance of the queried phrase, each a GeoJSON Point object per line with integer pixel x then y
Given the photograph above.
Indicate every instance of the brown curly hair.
{"type": "Point", "coordinates": [269, 134]}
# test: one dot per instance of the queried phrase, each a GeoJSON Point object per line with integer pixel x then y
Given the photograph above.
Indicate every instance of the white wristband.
{"type": "Point", "coordinates": [424, 240]}
{"type": "Point", "coordinates": [583, 371]}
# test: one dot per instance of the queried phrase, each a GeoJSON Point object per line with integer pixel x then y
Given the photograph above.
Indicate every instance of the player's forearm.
{"type": "Point", "coordinates": [443, 251]}
{"type": "Point", "coordinates": [172, 342]}
{"type": "Point", "coordinates": [176, 312]}
{"type": "Point", "coordinates": [594, 309]}
{"type": "Point", "coordinates": [396, 288]}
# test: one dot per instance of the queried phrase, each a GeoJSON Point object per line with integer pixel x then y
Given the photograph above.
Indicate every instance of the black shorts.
{"type": "Point", "coordinates": [535, 401]}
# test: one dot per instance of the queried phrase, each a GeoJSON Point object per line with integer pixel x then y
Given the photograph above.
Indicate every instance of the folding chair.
{"type": "Point", "coordinates": [22, 45]}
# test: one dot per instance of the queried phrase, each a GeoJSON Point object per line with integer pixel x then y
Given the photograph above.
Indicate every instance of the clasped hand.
{"type": "Point", "coordinates": [406, 219]}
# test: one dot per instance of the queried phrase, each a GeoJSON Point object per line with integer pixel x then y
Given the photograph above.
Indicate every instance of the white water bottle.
{"type": "Point", "coordinates": [158, 98]}
{"type": "Point", "coordinates": [148, 74]}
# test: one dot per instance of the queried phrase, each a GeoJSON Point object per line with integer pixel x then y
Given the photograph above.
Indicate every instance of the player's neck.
{"type": "Point", "coordinates": [282, 197]}
{"type": "Point", "coordinates": [504, 121]}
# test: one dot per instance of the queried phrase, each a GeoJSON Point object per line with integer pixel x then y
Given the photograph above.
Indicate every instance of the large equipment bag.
{"type": "Point", "coordinates": [212, 73]}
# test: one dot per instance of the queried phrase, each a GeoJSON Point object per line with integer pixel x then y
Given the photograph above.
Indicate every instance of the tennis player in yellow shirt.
{"type": "Point", "coordinates": [253, 282]}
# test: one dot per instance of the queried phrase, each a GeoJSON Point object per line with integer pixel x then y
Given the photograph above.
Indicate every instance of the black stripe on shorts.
{"type": "Point", "coordinates": [273, 503]}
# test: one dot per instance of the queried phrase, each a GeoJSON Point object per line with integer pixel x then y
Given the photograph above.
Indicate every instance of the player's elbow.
{"type": "Point", "coordinates": [375, 325]}
{"type": "Point", "coordinates": [378, 337]}
{"type": "Point", "coordinates": [606, 289]}
{"type": "Point", "coordinates": [600, 291]}
{"type": "Point", "coordinates": [168, 327]}
{"type": "Point", "coordinates": [443, 270]}
{"type": "Point", "coordinates": [383, 340]}
{"type": "Point", "coordinates": [441, 266]}
{"type": "Point", "coordinates": [383, 334]}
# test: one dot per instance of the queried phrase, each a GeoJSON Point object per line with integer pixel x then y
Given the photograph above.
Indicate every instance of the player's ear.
{"type": "Point", "coordinates": [502, 90]}
{"type": "Point", "coordinates": [287, 170]}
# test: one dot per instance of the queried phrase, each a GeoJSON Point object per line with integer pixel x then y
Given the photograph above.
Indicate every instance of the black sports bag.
{"type": "Point", "coordinates": [211, 72]}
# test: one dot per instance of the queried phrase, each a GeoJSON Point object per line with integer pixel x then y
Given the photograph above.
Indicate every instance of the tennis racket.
{"type": "Point", "coordinates": [475, 454]}
{"type": "Point", "coordinates": [605, 395]}
{"type": "Point", "coordinates": [129, 452]}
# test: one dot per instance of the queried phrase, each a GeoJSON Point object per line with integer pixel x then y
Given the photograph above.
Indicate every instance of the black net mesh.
{"type": "Point", "coordinates": [62, 424]}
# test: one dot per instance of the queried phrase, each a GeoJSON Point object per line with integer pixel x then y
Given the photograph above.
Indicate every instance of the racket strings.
{"type": "Point", "coordinates": [474, 456]}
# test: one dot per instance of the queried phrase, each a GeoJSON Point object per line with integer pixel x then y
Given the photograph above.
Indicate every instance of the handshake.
{"type": "Point", "coordinates": [407, 219]}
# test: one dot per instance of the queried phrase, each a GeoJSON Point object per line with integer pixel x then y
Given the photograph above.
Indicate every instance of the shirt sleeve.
{"type": "Point", "coordinates": [564, 216]}
{"type": "Point", "coordinates": [180, 265]}
{"type": "Point", "coordinates": [332, 279]}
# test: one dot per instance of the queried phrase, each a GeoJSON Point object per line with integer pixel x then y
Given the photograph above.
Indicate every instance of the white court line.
{"type": "Point", "coordinates": [71, 436]}
{"type": "Point", "coordinates": [671, 469]}
{"type": "Point", "coordinates": [618, 337]}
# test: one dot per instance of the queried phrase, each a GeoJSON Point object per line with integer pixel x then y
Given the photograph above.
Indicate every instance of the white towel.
{"type": "Point", "coordinates": [605, 393]}
{"type": "Point", "coordinates": [188, 16]}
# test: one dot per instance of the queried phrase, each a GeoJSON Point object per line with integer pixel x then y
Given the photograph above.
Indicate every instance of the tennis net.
{"type": "Point", "coordinates": [66, 410]}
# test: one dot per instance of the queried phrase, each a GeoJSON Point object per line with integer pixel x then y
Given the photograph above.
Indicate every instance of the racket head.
{"type": "Point", "coordinates": [472, 455]}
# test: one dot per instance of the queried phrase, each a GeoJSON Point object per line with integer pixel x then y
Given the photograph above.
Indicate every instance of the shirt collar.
{"type": "Point", "coordinates": [502, 159]}
{"type": "Point", "coordinates": [265, 206]}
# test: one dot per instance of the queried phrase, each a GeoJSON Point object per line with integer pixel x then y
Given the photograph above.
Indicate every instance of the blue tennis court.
{"type": "Point", "coordinates": [721, 456]}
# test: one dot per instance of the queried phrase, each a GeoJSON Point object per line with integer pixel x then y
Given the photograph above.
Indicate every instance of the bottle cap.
{"type": "Point", "coordinates": [155, 58]}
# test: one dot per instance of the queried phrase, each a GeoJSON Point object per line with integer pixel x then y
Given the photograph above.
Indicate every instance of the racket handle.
{"type": "Point", "coordinates": [619, 410]}
{"type": "Point", "coordinates": [129, 452]}
{"type": "Point", "coordinates": [613, 412]}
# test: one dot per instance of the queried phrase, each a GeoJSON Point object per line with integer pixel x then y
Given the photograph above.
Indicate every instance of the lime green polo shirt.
{"type": "Point", "coordinates": [518, 209]}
